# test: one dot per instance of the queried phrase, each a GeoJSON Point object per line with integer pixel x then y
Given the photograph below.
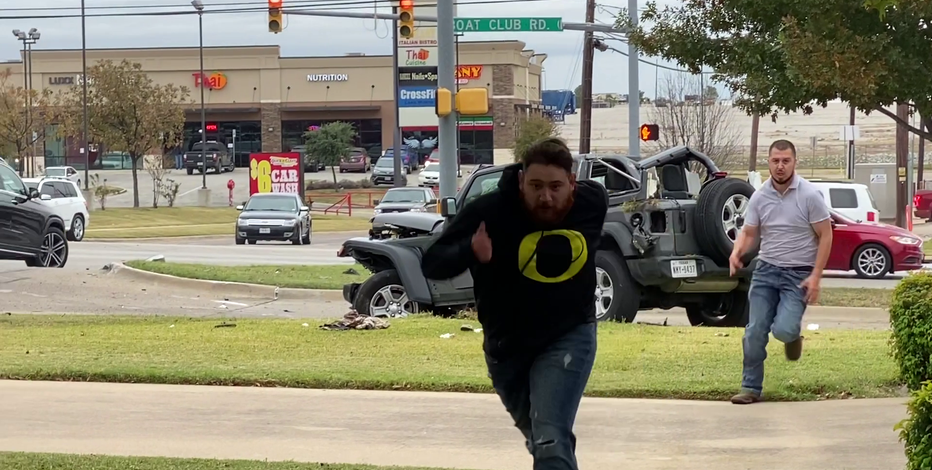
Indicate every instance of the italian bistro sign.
{"type": "Point", "coordinates": [327, 77]}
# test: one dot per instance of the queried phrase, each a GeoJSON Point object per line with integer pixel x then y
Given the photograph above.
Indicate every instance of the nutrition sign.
{"type": "Point", "coordinates": [276, 173]}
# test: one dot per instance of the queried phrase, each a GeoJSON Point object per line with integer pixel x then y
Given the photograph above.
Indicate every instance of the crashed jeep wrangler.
{"type": "Point", "coordinates": [671, 225]}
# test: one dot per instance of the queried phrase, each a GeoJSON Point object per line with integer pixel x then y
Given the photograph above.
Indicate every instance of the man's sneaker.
{"type": "Point", "coordinates": [745, 398]}
{"type": "Point", "coordinates": [794, 349]}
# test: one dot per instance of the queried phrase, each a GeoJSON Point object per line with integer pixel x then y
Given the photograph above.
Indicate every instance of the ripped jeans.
{"type": "Point", "coordinates": [542, 394]}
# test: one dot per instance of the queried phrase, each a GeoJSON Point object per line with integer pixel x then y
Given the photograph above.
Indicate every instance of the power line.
{"type": "Point", "coordinates": [226, 6]}
{"type": "Point", "coordinates": [643, 61]}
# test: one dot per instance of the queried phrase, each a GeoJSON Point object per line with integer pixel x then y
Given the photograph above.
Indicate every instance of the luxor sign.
{"type": "Point", "coordinates": [66, 80]}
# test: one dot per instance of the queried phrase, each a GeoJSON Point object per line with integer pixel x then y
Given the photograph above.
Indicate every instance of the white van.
{"type": "Point", "coordinates": [851, 200]}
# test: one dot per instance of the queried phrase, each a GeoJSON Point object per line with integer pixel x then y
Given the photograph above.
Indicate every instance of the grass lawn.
{"type": "Point", "coordinates": [297, 276]}
{"type": "Point", "coordinates": [191, 221]}
{"type": "Point", "coordinates": [633, 360]}
{"type": "Point", "coordinates": [24, 461]}
{"type": "Point", "coordinates": [332, 277]}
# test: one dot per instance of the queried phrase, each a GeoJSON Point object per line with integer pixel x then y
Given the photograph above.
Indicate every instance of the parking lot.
{"type": "Point", "coordinates": [217, 183]}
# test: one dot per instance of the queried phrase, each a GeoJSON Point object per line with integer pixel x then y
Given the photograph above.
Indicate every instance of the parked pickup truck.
{"type": "Point", "coordinates": [216, 155]}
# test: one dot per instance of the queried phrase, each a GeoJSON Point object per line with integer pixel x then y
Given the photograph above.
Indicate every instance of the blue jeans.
{"type": "Point", "coordinates": [777, 304]}
{"type": "Point", "coordinates": [178, 163]}
{"type": "Point", "coordinates": [542, 394]}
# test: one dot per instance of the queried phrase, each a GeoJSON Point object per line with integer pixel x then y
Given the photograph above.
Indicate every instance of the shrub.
{"type": "Point", "coordinates": [916, 429]}
{"type": "Point", "coordinates": [911, 321]}
{"type": "Point", "coordinates": [531, 129]}
{"type": "Point", "coordinates": [342, 184]}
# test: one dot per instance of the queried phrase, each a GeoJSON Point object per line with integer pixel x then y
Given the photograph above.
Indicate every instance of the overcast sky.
{"type": "Point", "coordinates": [306, 36]}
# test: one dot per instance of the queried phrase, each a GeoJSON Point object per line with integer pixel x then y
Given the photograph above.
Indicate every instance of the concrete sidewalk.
{"type": "Point", "coordinates": [439, 430]}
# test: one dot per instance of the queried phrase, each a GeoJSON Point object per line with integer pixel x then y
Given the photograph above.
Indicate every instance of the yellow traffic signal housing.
{"type": "Point", "coordinates": [406, 19]}
{"type": "Point", "coordinates": [649, 132]}
{"type": "Point", "coordinates": [472, 101]}
{"type": "Point", "coordinates": [275, 16]}
{"type": "Point", "coordinates": [443, 104]}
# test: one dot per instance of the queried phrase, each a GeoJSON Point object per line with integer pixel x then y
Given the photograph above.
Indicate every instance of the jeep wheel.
{"type": "Point", "coordinates": [719, 217]}
{"type": "Point", "coordinates": [383, 295]}
{"type": "Point", "coordinates": [617, 296]}
{"type": "Point", "coordinates": [720, 310]}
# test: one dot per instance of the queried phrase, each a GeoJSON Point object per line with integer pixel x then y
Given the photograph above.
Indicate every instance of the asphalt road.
{"type": "Point", "coordinates": [440, 429]}
{"type": "Point", "coordinates": [222, 251]}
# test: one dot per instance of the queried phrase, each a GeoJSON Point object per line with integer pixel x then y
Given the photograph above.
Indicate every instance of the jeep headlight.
{"type": "Point", "coordinates": [290, 222]}
{"type": "Point", "coordinates": [418, 209]}
{"type": "Point", "coordinates": [242, 222]}
{"type": "Point", "coordinates": [376, 211]}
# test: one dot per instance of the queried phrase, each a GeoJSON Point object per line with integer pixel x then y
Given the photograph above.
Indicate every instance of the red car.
{"type": "Point", "coordinates": [922, 204]}
{"type": "Point", "coordinates": [872, 249]}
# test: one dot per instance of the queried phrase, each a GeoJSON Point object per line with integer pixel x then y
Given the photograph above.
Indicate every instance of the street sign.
{"type": "Point", "coordinates": [496, 25]}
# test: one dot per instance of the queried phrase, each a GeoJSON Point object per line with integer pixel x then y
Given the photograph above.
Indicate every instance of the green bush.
{"type": "Point", "coordinates": [911, 321]}
{"type": "Point", "coordinates": [315, 185]}
{"type": "Point", "coordinates": [916, 430]}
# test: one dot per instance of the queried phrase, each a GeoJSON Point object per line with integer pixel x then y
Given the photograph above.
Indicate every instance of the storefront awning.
{"type": "Point", "coordinates": [319, 108]}
{"type": "Point", "coordinates": [222, 110]}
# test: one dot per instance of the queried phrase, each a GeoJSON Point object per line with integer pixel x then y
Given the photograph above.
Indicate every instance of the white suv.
{"type": "Point", "coordinates": [64, 172]}
{"type": "Point", "coordinates": [67, 201]}
{"type": "Point", "coordinates": [852, 200]}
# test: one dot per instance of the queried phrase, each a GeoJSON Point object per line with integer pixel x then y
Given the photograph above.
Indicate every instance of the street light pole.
{"type": "Point", "coordinates": [200, 20]}
{"type": "Point", "coordinates": [28, 39]}
{"type": "Point", "coordinates": [84, 143]}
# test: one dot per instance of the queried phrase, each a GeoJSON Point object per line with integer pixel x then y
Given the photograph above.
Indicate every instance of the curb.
{"type": "Point", "coordinates": [197, 237]}
{"type": "Point", "coordinates": [227, 289]}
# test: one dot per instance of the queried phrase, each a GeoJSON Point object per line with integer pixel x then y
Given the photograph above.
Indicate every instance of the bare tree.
{"type": "Point", "coordinates": [707, 126]}
{"type": "Point", "coordinates": [158, 168]}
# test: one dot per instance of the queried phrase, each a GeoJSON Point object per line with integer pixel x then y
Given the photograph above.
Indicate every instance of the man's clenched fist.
{"type": "Point", "coordinates": [482, 244]}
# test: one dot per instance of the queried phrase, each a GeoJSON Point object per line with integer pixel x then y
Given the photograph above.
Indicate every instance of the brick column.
{"type": "Point", "coordinates": [271, 119]}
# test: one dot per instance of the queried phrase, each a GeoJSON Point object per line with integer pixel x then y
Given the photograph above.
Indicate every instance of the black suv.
{"type": "Point", "coordinates": [29, 231]}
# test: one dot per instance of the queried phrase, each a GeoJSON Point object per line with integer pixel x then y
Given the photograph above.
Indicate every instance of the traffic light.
{"type": "Point", "coordinates": [406, 19]}
{"type": "Point", "coordinates": [275, 16]}
{"type": "Point", "coordinates": [650, 132]}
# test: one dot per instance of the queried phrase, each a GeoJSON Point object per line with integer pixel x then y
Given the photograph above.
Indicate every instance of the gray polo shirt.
{"type": "Point", "coordinates": [785, 221]}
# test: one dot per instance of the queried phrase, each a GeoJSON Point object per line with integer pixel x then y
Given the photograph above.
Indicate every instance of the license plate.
{"type": "Point", "coordinates": [683, 268]}
{"type": "Point", "coordinates": [200, 163]}
{"type": "Point", "coordinates": [264, 230]}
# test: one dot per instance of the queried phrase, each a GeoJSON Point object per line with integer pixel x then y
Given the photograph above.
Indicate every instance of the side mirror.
{"type": "Point", "coordinates": [448, 207]}
{"type": "Point", "coordinates": [833, 223]}
{"type": "Point", "coordinates": [45, 197]}
{"type": "Point", "coordinates": [239, 207]}
{"type": "Point", "coordinates": [33, 193]}
{"type": "Point", "coordinates": [305, 209]}
{"type": "Point", "coordinates": [375, 202]}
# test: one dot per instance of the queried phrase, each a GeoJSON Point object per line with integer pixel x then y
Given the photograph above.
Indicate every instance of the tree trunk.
{"type": "Point", "coordinates": [135, 159]}
{"type": "Point", "coordinates": [333, 171]}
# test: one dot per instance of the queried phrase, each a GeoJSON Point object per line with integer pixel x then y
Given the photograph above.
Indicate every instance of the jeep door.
{"type": "Point", "coordinates": [460, 288]}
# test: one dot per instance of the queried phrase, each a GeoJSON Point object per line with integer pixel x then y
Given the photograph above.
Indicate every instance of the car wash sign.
{"type": "Point", "coordinates": [276, 173]}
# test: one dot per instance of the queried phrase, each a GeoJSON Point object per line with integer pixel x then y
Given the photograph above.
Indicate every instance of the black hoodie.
{"type": "Point", "coordinates": [540, 282]}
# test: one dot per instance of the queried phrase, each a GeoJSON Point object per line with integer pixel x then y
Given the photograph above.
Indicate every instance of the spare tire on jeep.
{"type": "Point", "coordinates": [719, 217]}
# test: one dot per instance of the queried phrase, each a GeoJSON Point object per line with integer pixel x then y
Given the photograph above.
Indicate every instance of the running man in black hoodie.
{"type": "Point", "coordinates": [530, 247]}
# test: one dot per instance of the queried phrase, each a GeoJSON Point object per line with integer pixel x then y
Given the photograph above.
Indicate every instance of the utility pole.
{"type": "Point", "coordinates": [585, 114]}
{"type": "Point", "coordinates": [902, 153]}
{"type": "Point", "coordinates": [850, 157]}
{"type": "Point", "coordinates": [755, 131]}
{"type": "Point", "coordinates": [446, 78]}
{"type": "Point", "coordinates": [634, 87]}
{"type": "Point", "coordinates": [921, 159]}
{"type": "Point", "coordinates": [397, 169]}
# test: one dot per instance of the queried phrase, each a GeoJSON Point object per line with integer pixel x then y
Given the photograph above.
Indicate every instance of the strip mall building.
{"type": "Point", "coordinates": [270, 101]}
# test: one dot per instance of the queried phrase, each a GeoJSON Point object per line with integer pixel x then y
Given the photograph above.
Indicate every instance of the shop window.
{"type": "Point", "coordinates": [475, 147]}
{"type": "Point", "coordinates": [368, 132]}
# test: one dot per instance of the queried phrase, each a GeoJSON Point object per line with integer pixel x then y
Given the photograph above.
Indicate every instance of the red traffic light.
{"type": "Point", "coordinates": [404, 4]}
{"type": "Point", "coordinates": [649, 132]}
{"type": "Point", "coordinates": [275, 3]}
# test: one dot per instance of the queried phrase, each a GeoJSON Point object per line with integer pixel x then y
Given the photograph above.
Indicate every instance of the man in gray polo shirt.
{"type": "Point", "coordinates": [794, 225]}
